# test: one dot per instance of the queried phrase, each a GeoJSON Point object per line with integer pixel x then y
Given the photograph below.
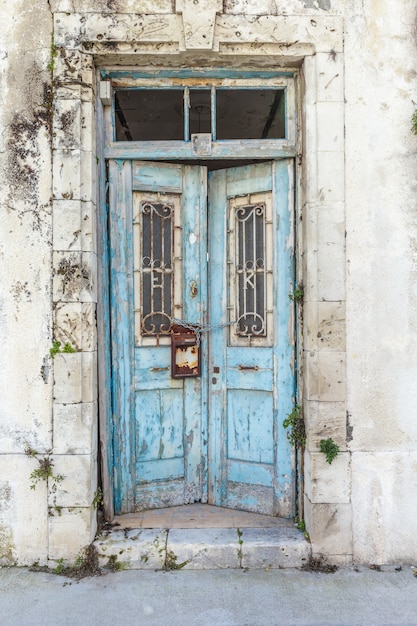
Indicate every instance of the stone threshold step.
{"type": "Point", "coordinates": [203, 548]}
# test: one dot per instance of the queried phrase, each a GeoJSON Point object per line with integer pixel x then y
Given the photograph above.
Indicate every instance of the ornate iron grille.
{"type": "Point", "coordinates": [250, 270]}
{"type": "Point", "coordinates": [157, 268]}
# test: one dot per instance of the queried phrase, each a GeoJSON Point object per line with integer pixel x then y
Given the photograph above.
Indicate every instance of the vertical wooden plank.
{"type": "Point", "coordinates": [284, 351]}
{"type": "Point", "coordinates": [103, 332]}
{"type": "Point", "coordinates": [250, 461]}
{"type": "Point", "coordinates": [194, 231]}
{"type": "Point", "coordinates": [121, 297]}
{"type": "Point", "coordinates": [218, 337]}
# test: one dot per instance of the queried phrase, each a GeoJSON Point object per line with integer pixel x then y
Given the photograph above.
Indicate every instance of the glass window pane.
{"type": "Point", "coordinates": [250, 113]}
{"type": "Point", "coordinates": [200, 111]}
{"type": "Point", "coordinates": [249, 273]}
{"type": "Point", "coordinates": [149, 114]}
{"type": "Point", "coordinates": [156, 270]}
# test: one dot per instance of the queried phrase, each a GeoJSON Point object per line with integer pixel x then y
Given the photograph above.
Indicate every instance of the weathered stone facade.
{"type": "Point", "coordinates": [356, 251]}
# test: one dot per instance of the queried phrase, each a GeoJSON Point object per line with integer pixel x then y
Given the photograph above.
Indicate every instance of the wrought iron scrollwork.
{"type": "Point", "coordinates": [156, 268]}
{"type": "Point", "coordinates": [250, 270]}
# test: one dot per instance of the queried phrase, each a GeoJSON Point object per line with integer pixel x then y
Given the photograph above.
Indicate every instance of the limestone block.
{"type": "Point", "coordinates": [309, 80]}
{"type": "Point", "coordinates": [325, 326]}
{"type": "Point", "coordinates": [279, 7]}
{"type": "Point", "coordinates": [88, 176]}
{"type": "Point", "coordinates": [324, 376]}
{"type": "Point", "coordinates": [88, 227]}
{"type": "Point", "coordinates": [68, 378]}
{"type": "Point", "coordinates": [330, 121]}
{"type": "Point", "coordinates": [77, 488]}
{"type": "Point", "coordinates": [198, 22]}
{"type": "Point", "coordinates": [324, 420]}
{"type": "Point", "coordinates": [135, 549]}
{"type": "Point", "coordinates": [329, 527]}
{"type": "Point", "coordinates": [191, 545]}
{"type": "Point", "coordinates": [310, 369]}
{"type": "Point", "coordinates": [71, 531]}
{"type": "Point", "coordinates": [309, 263]}
{"type": "Point", "coordinates": [331, 176]}
{"type": "Point", "coordinates": [68, 91]}
{"type": "Point", "coordinates": [273, 548]}
{"type": "Point", "coordinates": [323, 35]}
{"type": "Point", "coordinates": [331, 224]}
{"type": "Point", "coordinates": [331, 272]}
{"type": "Point", "coordinates": [310, 165]}
{"type": "Point", "coordinates": [73, 66]}
{"type": "Point", "coordinates": [23, 523]}
{"type": "Point", "coordinates": [87, 128]}
{"type": "Point", "coordinates": [75, 428]}
{"type": "Point", "coordinates": [127, 28]}
{"type": "Point", "coordinates": [310, 256]}
{"type": "Point", "coordinates": [73, 276]}
{"type": "Point", "coordinates": [102, 6]}
{"type": "Point", "coordinates": [66, 174]}
{"type": "Point", "coordinates": [331, 374]}
{"type": "Point", "coordinates": [67, 124]}
{"type": "Point", "coordinates": [75, 376]}
{"type": "Point", "coordinates": [384, 484]}
{"type": "Point", "coordinates": [330, 77]}
{"type": "Point", "coordinates": [89, 376]}
{"type": "Point", "coordinates": [67, 231]}
{"type": "Point", "coordinates": [75, 323]}
{"type": "Point", "coordinates": [324, 482]}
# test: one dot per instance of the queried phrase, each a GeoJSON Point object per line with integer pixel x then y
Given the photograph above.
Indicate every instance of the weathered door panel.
{"type": "Point", "coordinates": [158, 240]}
{"type": "Point", "coordinates": [164, 428]}
{"type": "Point", "coordinates": [251, 356]}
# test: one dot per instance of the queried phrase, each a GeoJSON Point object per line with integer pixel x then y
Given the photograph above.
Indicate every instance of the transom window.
{"type": "Point", "coordinates": [224, 113]}
{"type": "Point", "coordinates": [219, 117]}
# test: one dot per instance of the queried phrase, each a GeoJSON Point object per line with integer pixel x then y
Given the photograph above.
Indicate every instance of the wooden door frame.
{"type": "Point", "coordinates": [252, 149]}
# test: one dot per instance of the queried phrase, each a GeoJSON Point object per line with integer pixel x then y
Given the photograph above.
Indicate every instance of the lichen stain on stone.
{"type": "Point", "coordinates": [45, 369]}
{"type": "Point", "coordinates": [23, 137]}
{"type": "Point", "coordinates": [7, 547]}
{"type": "Point", "coordinates": [324, 5]}
{"type": "Point", "coordinates": [65, 123]}
{"type": "Point", "coordinates": [22, 143]}
{"type": "Point", "coordinates": [75, 276]}
{"type": "Point", "coordinates": [113, 5]}
{"type": "Point", "coordinates": [5, 496]}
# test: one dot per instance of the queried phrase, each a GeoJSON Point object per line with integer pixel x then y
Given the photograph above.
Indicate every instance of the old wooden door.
{"type": "Point", "coordinates": [213, 249]}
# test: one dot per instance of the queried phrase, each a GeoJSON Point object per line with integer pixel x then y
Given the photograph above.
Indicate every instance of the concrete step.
{"type": "Point", "coordinates": [203, 548]}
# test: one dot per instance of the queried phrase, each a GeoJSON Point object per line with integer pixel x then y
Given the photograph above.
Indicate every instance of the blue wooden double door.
{"type": "Point", "coordinates": [213, 249]}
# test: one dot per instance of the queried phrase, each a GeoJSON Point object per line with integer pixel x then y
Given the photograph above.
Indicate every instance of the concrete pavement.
{"type": "Point", "coordinates": [210, 598]}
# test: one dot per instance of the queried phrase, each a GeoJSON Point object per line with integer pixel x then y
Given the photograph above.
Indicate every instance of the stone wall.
{"type": "Point", "coordinates": [357, 251]}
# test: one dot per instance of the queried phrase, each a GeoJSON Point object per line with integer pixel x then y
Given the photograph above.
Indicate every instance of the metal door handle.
{"type": "Point", "coordinates": [248, 367]}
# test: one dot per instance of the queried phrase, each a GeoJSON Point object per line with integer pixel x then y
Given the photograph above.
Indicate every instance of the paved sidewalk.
{"type": "Point", "coordinates": [210, 598]}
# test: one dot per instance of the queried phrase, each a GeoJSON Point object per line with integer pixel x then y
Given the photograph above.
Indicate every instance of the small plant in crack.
{"type": "Point", "coordinates": [301, 526]}
{"type": "Point", "coordinates": [240, 548]}
{"type": "Point", "coordinates": [171, 562]}
{"type": "Point", "coordinates": [329, 448]}
{"type": "Point", "coordinates": [295, 422]}
{"type": "Point", "coordinates": [45, 470]}
{"type": "Point", "coordinates": [297, 294]}
{"type": "Point", "coordinates": [56, 349]}
{"type": "Point", "coordinates": [98, 498]}
{"type": "Point", "coordinates": [114, 565]}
